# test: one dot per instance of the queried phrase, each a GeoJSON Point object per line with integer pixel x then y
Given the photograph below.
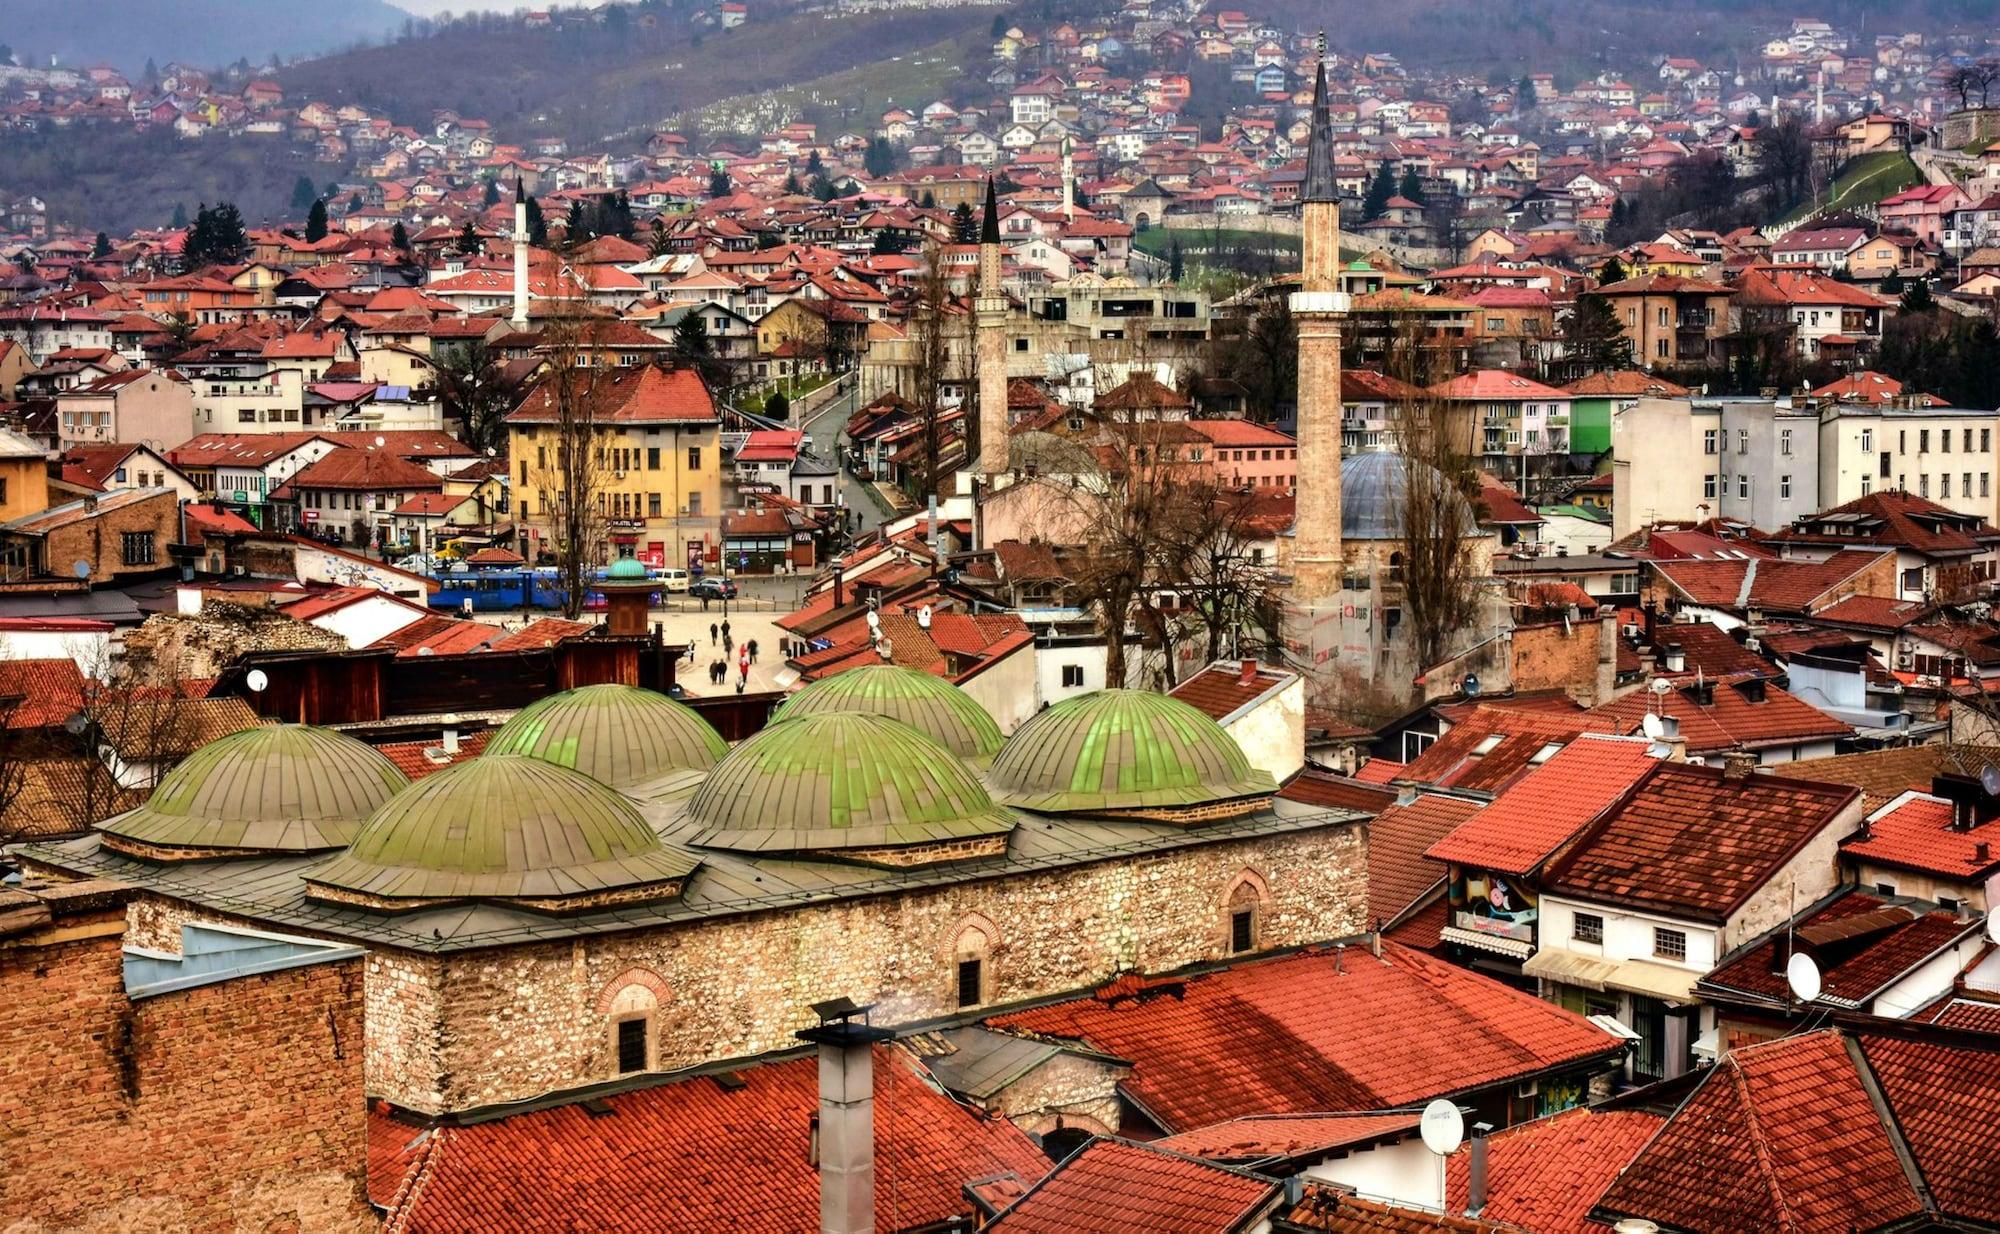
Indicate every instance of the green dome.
{"type": "Point", "coordinates": [275, 787]}
{"type": "Point", "coordinates": [841, 780]}
{"type": "Point", "coordinates": [506, 827]}
{"type": "Point", "coordinates": [929, 704]}
{"type": "Point", "coordinates": [626, 570]}
{"type": "Point", "coordinates": [1122, 750]}
{"type": "Point", "coordinates": [621, 735]}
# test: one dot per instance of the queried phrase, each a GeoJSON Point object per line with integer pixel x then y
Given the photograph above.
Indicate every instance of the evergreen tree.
{"type": "Point", "coordinates": [1524, 96]}
{"type": "Point", "coordinates": [792, 184]}
{"type": "Point", "coordinates": [1592, 338]}
{"type": "Point", "coordinates": [964, 228]}
{"type": "Point", "coordinates": [691, 345]}
{"type": "Point", "coordinates": [718, 183]}
{"type": "Point", "coordinates": [822, 188]}
{"type": "Point", "coordinates": [1411, 187]}
{"type": "Point", "coordinates": [399, 238]}
{"type": "Point", "coordinates": [316, 223]}
{"type": "Point", "coordinates": [928, 201]}
{"type": "Point", "coordinates": [1893, 285]}
{"type": "Point", "coordinates": [538, 227]}
{"type": "Point", "coordinates": [1612, 271]}
{"type": "Point", "coordinates": [1917, 297]}
{"type": "Point", "coordinates": [880, 158]}
{"type": "Point", "coordinates": [180, 216]}
{"type": "Point", "coordinates": [576, 228]}
{"type": "Point", "coordinates": [1380, 190]}
{"type": "Point", "coordinates": [888, 244]}
{"type": "Point", "coordinates": [492, 197]}
{"type": "Point", "coordinates": [468, 242]}
{"type": "Point", "coordinates": [216, 237]}
{"type": "Point", "coordinates": [101, 247]}
{"type": "Point", "coordinates": [303, 194]}
{"type": "Point", "coordinates": [149, 77]}
{"type": "Point", "coordinates": [332, 190]}
{"type": "Point", "coordinates": [1175, 267]}
{"type": "Point", "coordinates": [657, 239]}
{"type": "Point", "coordinates": [778, 407]}
{"type": "Point", "coordinates": [814, 167]}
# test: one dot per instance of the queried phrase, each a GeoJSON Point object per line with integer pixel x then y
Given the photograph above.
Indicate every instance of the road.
{"type": "Point", "coordinates": [829, 442]}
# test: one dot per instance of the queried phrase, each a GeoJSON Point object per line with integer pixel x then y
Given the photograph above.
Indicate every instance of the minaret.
{"type": "Point", "coordinates": [1069, 183]}
{"type": "Point", "coordinates": [1317, 308]}
{"type": "Point", "coordinates": [520, 321]}
{"type": "Point", "coordinates": [989, 308]}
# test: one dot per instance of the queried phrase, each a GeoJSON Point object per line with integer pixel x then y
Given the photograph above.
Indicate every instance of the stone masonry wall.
{"type": "Point", "coordinates": [236, 1106]}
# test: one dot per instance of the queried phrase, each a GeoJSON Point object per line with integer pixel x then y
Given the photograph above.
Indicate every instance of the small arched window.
{"type": "Point", "coordinates": [1243, 913]}
{"type": "Point", "coordinates": [630, 1006]}
{"type": "Point", "coordinates": [972, 962]}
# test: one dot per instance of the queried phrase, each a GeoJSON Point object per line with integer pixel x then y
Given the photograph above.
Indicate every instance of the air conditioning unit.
{"type": "Point", "coordinates": [1906, 660]}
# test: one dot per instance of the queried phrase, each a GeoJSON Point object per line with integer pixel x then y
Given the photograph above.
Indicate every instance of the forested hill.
{"type": "Point", "coordinates": [206, 33]}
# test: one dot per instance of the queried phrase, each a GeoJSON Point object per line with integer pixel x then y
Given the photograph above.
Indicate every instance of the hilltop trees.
{"type": "Point", "coordinates": [316, 223]}
{"type": "Point", "coordinates": [216, 237]}
{"type": "Point", "coordinates": [1380, 190]}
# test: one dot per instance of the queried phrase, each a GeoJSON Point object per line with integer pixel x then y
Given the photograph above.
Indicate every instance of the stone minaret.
{"type": "Point", "coordinates": [520, 321]}
{"type": "Point", "coordinates": [1069, 182]}
{"type": "Point", "coordinates": [990, 316]}
{"type": "Point", "coordinates": [1318, 307]}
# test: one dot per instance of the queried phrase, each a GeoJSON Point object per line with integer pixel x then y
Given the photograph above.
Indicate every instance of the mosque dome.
{"type": "Point", "coordinates": [626, 570]}
{"type": "Point", "coordinates": [1123, 750]}
{"type": "Point", "coordinates": [928, 703]}
{"type": "Point", "coordinates": [274, 788]}
{"type": "Point", "coordinates": [849, 782]}
{"type": "Point", "coordinates": [620, 735]}
{"type": "Point", "coordinates": [1373, 495]}
{"type": "Point", "coordinates": [504, 827]}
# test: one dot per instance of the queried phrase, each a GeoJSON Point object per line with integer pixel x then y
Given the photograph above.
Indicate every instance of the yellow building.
{"type": "Point", "coordinates": [24, 476]}
{"type": "Point", "coordinates": [656, 466]}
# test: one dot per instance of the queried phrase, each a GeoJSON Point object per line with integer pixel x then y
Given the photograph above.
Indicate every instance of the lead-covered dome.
{"type": "Point", "coordinates": [275, 788]}
{"type": "Point", "coordinates": [1125, 751]}
{"type": "Point", "coordinates": [508, 828]}
{"type": "Point", "coordinates": [1374, 495]}
{"type": "Point", "coordinates": [863, 786]}
{"type": "Point", "coordinates": [930, 704]}
{"type": "Point", "coordinates": [620, 735]}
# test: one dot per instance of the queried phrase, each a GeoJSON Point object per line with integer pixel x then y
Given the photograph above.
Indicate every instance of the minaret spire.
{"type": "Point", "coordinates": [1318, 307]}
{"type": "Point", "coordinates": [989, 308]}
{"type": "Point", "coordinates": [520, 318]}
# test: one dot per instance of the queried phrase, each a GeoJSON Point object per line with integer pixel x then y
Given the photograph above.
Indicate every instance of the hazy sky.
{"type": "Point", "coordinates": [429, 8]}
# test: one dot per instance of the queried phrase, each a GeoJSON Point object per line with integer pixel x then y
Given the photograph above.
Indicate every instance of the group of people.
{"type": "Point", "coordinates": [718, 669]}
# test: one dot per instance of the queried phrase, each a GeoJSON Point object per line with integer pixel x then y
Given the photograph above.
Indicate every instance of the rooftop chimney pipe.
{"type": "Point", "coordinates": [846, 1128]}
{"type": "Point", "coordinates": [1475, 1200]}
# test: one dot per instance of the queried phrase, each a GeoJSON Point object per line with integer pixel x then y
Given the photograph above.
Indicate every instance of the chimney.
{"type": "Point", "coordinates": [1249, 673]}
{"type": "Point", "coordinates": [520, 319]}
{"type": "Point", "coordinates": [1676, 658]}
{"type": "Point", "coordinates": [1982, 852]}
{"type": "Point", "coordinates": [844, 1146]}
{"type": "Point", "coordinates": [451, 735]}
{"type": "Point", "coordinates": [1970, 806]}
{"type": "Point", "coordinates": [1738, 764]}
{"type": "Point", "coordinates": [1475, 1200]}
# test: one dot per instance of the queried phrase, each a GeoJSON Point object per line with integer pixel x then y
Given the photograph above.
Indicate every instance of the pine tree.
{"type": "Point", "coordinates": [303, 194]}
{"type": "Point", "coordinates": [492, 197]}
{"type": "Point", "coordinates": [1917, 297]}
{"type": "Point", "coordinates": [718, 183]}
{"type": "Point", "coordinates": [822, 188]}
{"type": "Point", "coordinates": [1380, 190]}
{"type": "Point", "coordinates": [1411, 187]}
{"type": "Point", "coordinates": [964, 229]}
{"type": "Point", "coordinates": [399, 238]}
{"type": "Point", "coordinates": [1592, 338]}
{"type": "Point", "coordinates": [880, 159]}
{"type": "Point", "coordinates": [180, 216]}
{"type": "Point", "coordinates": [691, 339]}
{"type": "Point", "coordinates": [657, 239]}
{"type": "Point", "coordinates": [792, 188]}
{"type": "Point", "coordinates": [813, 165]}
{"type": "Point", "coordinates": [468, 242]}
{"type": "Point", "coordinates": [1612, 271]}
{"type": "Point", "coordinates": [1176, 270]}
{"type": "Point", "coordinates": [101, 247]}
{"type": "Point", "coordinates": [316, 223]}
{"type": "Point", "coordinates": [1524, 96]}
{"type": "Point", "coordinates": [928, 201]}
{"type": "Point", "coordinates": [538, 227]}
{"type": "Point", "coordinates": [778, 407]}
{"type": "Point", "coordinates": [576, 228]}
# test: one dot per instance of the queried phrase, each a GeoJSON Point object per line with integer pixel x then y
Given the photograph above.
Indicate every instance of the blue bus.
{"type": "Point", "coordinates": [497, 589]}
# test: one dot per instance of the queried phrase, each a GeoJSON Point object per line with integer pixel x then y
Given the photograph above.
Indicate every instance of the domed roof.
{"type": "Point", "coordinates": [927, 703]}
{"type": "Point", "coordinates": [504, 827]}
{"type": "Point", "coordinates": [275, 787]}
{"type": "Point", "coordinates": [1373, 493]}
{"type": "Point", "coordinates": [1122, 750]}
{"type": "Point", "coordinates": [841, 780]}
{"type": "Point", "coordinates": [621, 735]}
{"type": "Point", "coordinates": [626, 570]}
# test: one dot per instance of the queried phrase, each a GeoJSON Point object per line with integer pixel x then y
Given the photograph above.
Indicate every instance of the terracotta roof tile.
{"type": "Point", "coordinates": [1894, 519]}
{"type": "Point", "coordinates": [1399, 872]}
{"type": "Point", "coordinates": [417, 759]}
{"type": "Point", "coordinates": [1261, 1136]}
{"type": "Point", "coordinates": [1314, 787]}
{"type": "Point", "coordinates": [1943, 1099]}
{"type": "Point", "coordinates": [1307, 1032]}
{"type": "Point", "coordinates": [1468, 757]}
{"type": "Point", "coordinates": [1534, 817]}
{"type": "Point", "coordinates": [1870, 943]}
{"type": "Point", "coordinates": [1884, 775]}
{"type": "Point", "coordinates": [1546, 1174]}
{"type": "Point", "coordinates": [48, 692]}
{"type": "Point", "coordinates": [1220, 690]}
{"type": "Point", "coordinates": [1332, 1209]}
{"type": "Point", "coordinates": [1915, 833]}
{"type": "Point", "coordinates": [1774, 586]}
{"type": "Point", "coordinates": [1742, 712]}
{"type": "Point", "coordinates": [1135, 1188]}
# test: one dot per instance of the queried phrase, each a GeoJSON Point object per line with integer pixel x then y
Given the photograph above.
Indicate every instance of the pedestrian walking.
{"type": "Point", "coordinates": [725, 630]}
{"type": "Point", "coordinates": [711, 634]}
{"type": "Point", "coordinates": [751, 647]}
{"type": "Point", "coordinates": [728, 647]}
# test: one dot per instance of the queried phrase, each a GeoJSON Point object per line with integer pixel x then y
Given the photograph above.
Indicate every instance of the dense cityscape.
{"type": "Point", "coordinates": [890, 616]}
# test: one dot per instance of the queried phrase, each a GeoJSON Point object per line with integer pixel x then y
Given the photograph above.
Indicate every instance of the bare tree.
{"type": "Point", "coordinates": [473, 390]}
{"type": "Point", "coordinates": [930, 328]}
{"type": "Point", "coordinates": [1212, 539]}
{"type": "Point", "coordinates": [1435, 575]}
{"type": "Point", "coordinates": [569, 471]}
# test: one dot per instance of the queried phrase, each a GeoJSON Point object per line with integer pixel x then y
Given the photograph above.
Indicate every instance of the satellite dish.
{"type": "Point", "coordinates": [1989, 779]}
{"type": "Point", "coordinates": [256, 680]}
{"type": "Point", "coordinates": [1802, 975]}
{"type": "Point", "coordinates": [874, 621]}
{"type": "Point", "coordinates": [1442, 1127]}
{"type": "Point", "coordinates": [1660, 685]}
{"type": "Point", "coordinates": [924, 617]}
{"type": "Point", "coordinates": [1655, 728]}
{"type": "Point", "coordinates": [1993, 926]}
{"type": "Point", "coordinates": [80, 567]}
{"type": "Point", "coordinates": [381, 440]}
{"type": "Point", "coordinates": [1470, 685]}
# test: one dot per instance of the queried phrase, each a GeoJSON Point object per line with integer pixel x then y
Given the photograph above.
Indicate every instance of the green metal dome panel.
{"type": "Point", "coordinates": [620, 735]}
{"type": "Point", "coordinates": [504, 826]}
{"type": "Point", "coordinates": [841, 780]}
{"type": "Point", "coordinates": [275, 787]}
{"type": "Point", "coordinates": [626, 569]}
{"type": "Point", "coordinates": [1122, 750]}
{"type": "Point", "coordinates": [930, 704]}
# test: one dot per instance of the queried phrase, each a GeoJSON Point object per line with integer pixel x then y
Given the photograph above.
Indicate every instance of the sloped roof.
{"type": "Point", "coordinates": [1914, 832]}
{"type": "Point", "coordinates": [1536, 815]}
{"type": "Point", "coordinates": [1894, 519]}
{"type": "Point", "coordinates": [1259, 1137]}
{"type": "Point", "coordinates": [1399, 871]}
{"type": "Point", "coordinates": [1861, 943]}
{"type": "Point", "coordinates": [1775, 586]}
{"type": "Point", "coordinates": [1625, 383]}
{"type": "Point", "coordinates": [1113, 1184]}
{"type": "Point", "coordinates": [1883, 775]}
{"type": "Point", "coordinates": [362, 470]}
{"type": "Point", "coordinates": [1457, 760]}
{"type": "Point", "coordinates": [640, 394]}
{"type": "Point", "coordinates": [1742, 712]}
{"type": "Point", "coordinates": [49, 692]}
{"type": "Point", "coordinates": [1546, 1174]}
{"type": "Point", "coordinates": [1306, 1032]}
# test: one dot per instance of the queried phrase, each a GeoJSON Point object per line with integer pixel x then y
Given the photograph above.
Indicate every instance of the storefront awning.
{"type": "Point", "coordinates": [1674, 985]}
{"type": "Point", "coordinates": [1569, 968]}
{"type": "Point", "coordinates": [1512, 948]}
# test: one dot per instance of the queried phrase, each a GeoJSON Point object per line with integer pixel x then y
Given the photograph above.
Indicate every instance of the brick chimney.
{"type": "Point", "coordinates": [845, 1145]}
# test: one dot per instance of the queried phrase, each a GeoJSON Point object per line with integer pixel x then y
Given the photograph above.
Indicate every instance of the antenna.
{"type": "Point", "coordinates": [1442, 1127]}
{"type": "Point", "coordinates": [257, 681]}
{"type": "Point", "coordinates": [1802, 975]}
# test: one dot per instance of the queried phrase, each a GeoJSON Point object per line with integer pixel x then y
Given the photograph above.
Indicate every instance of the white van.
{"type": "Point", "coordinates": [673, 580]}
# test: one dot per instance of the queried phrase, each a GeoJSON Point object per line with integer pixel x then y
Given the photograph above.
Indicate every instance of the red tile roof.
{"type": "Point", "coordinates": [642, 394]}
{"type": "Point", "coordinates": [1258, 1137]}
{"type": "Point", "coordinates": [1884, 775]}
{"type": "Point", "coordinates": [415, 758]}
{"type": "Point", "coordinates": [1546, 1174]}
{"type": "Point", "coordinates": [1331, 1208]}
{"type": "Point", "coordinates": [49, 692]}
{"type": "Point", "coordinates": [1774, 586]}
{"type": "Point", "coordinates": [1114, 1184]}
{"type": "Point", "coordinates": [1628, 383]}
{"type": "Point", "coordinates": [1894, 519]}
{"type": "Point", "coordinates": [1379, 771]}
{"type": "Point", "coordinates": [1456, 760]}
{"type": "Point", "coordinates": [1311, 1032]}
{"type": "Point", "coordinates": [1399, 872]}
{"type": "Point", "coordinates": [1915, 833]}
{"type": "Point", "coordinates": [1875, 612]}
{"type": "Point", "coordinates": [1860, 942]}
{"type": "Point", "coordinates": [439, 635]}
{"type": "Point", "coordinates": [1496, 385]}
{"type": "Point", "coordinates": [1535, 816]}
{"type": "Point", "coordinates": [1221, 689]}
{"type": "Point", "coordinates": [364, 471]}
{"type": "Point", "coordinates": [1709, 650]}
{"type": "Point", "coordinates": [1734, 718]}
{"type": "Point", "coordinates": [1977, 1015]}
{"type": "Point", "coordinates": [694, 1157]}
{"type": "Point", "coordinates": [542, 632]}
{"type": "Point", "coordinates": [1232, 434]}
{"type": "Point", "coordinates": [1695, 841]}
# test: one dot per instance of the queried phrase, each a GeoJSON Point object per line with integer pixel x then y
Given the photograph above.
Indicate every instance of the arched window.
{"type": "Point", "coordinates": [972, 947]}
{"type": "Point", "coordinates": [630, 1005]}
{"type": "Point", "coordinates": [1244, 906]}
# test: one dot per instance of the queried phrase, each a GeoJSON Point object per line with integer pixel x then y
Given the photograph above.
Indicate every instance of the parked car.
{"type": "Point", "coordinates": [713, 588]}
{"type": "Point", "coordinates": [673, 579]}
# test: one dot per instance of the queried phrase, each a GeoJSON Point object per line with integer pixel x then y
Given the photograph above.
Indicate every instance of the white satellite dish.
{"type": "Point", "coordinates": [1989, 779]}
{"type": "Point", "coordinates": [1442, 1127]}
{"type": "Point", "coordinates": [1661, 685]}
{"type": "Point", "coordinates": [874, 622]}
{"type": "Point", "coordinates": [924, 616]}
{"type": "Point", "coordinates": [1655, 728]}
{"type": "Point", "coordinates": [1993, 926]}
{"type": "Point", "coordinates": [1802, 975]}
{"type": "Point", "coordinates": [256, 680]}
{"type": "Point", "coordinates": [381, 440]}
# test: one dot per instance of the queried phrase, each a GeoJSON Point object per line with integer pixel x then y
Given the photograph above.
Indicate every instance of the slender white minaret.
{"type": "Point", "coordinates": [1069, 183]}
{"type": "Point", "coordinates": [989, 310]}
{"type": "Point", "coordinates": [1318, 307]}
{"type": "Point", "coordinates": [520, 321]}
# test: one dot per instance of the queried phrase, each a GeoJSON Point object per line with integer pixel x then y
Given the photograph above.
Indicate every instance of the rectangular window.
{"type": "Point", "coordinates": [968, 983]}
{"type": "Point", "coordinates": [1784, 441]}
{"type": "Point", "coordinates": [1241, 936]}
{"type": "Point", "coordinates": [631, 1046]}
{"type": "Point", "coordinates": [1867, 440]}
{"type": "Point", "coordinates": [694, 503]}
{"type": "Point", "coordinates": [1867, 486]}
{"type": "Point", "coordinates": [1923, 486]}
{"type": "Point", "coordinates": [1985, 440]}
{"type": "Point", "coordinates": [652, 505]}
{"type": "Point", "coordinates": [1784, 488]}
{"type": "Point", "coordinates": [694, 458]}
{"type": "Point", "coordinates": [1968, 441]}
{"type": "Point", "coordinates": [1670, 944]}
{"type": "Point", "coordinates": [1072, 676]}
{"type": "Point", "coordinates": [1923, 441]}
{"type": "Point", "coordinates": [1708, 441]}
{"type": "Point", "coordinates": [1743, 441]}
{"type": "Point", "coordinates": [652, 458]}
{"type": "Point", "coordinates": [1743, 485]}
{"type": "Point", "coordinates": [138, 546]}
{"type": "Point", "coordinates": [1944, 487]}
{"type": "Point", "coordinates": [1587, 928]}
{"type": "Point", "coordinates": [1708, 486]}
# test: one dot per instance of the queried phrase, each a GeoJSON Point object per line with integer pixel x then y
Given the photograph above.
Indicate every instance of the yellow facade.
{"type": "Point", "coordinates": [658, 488]}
